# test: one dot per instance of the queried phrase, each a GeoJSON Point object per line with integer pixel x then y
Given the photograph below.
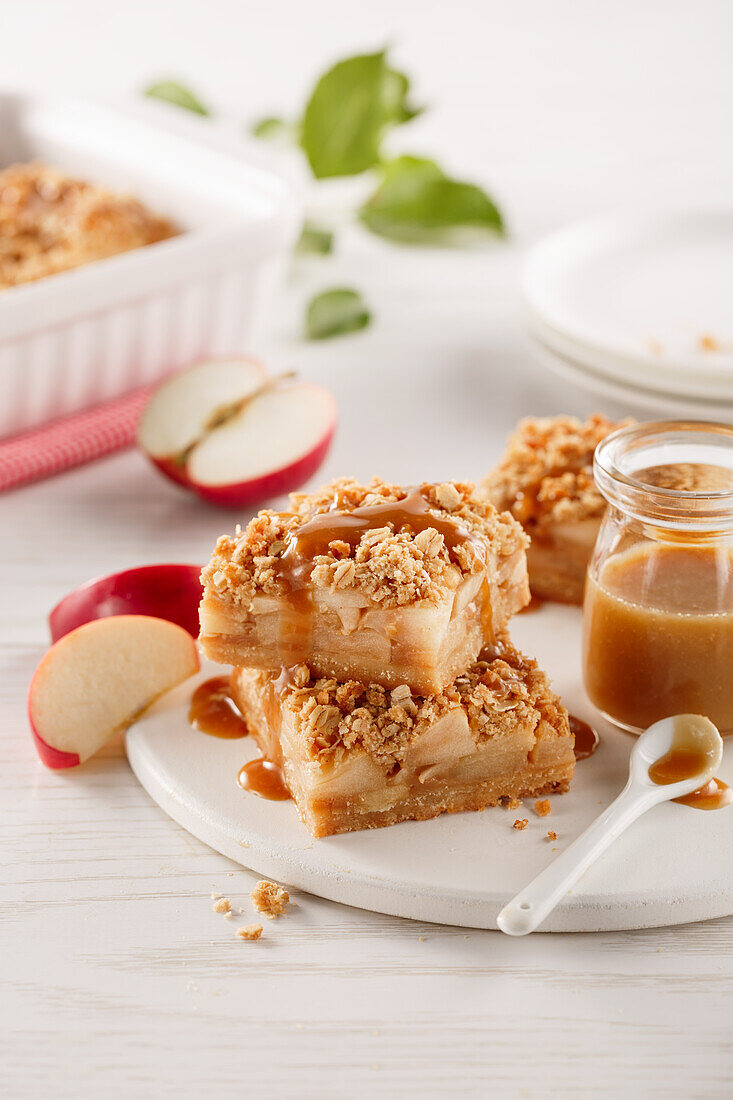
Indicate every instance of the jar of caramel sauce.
{"type": "Point", "coordinates": [658, 609]}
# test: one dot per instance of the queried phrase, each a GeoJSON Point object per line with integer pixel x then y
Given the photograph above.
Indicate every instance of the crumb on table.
{"type": "Point", "coordinates": [542, 807]}
{"type": "Point", "coordinates": [222, 905]}
{"type": "Point", "coordinates": [250, 932]}
{"type": "Point", "coordinates": [552, 835]}
{"type": "Point", "coordinates": [520, 823]}
{"type": "Point", "coordinates": [270, 899]}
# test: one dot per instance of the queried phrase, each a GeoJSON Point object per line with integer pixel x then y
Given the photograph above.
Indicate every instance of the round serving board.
{"type": "Point", "coordinates": [672, 866]}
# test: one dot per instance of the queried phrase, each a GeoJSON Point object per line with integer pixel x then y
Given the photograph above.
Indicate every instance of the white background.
{"type": "Point", "coordinates": [116, 977]}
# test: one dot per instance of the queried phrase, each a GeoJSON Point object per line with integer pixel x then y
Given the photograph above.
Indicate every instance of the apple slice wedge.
{"type": "Point", "coordinates": [234, 436]}
{"type": "Point", "coordinates": [96, 680]}
{"type": "Point", "coordinates": [166, 591]}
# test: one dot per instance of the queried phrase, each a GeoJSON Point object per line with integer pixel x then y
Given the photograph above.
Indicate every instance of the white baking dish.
{"type": "Point", "coordinates": [83, 336]}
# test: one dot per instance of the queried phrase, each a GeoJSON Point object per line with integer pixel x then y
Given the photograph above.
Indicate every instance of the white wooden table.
{"type": "Point", "coordinates": [116, 977]}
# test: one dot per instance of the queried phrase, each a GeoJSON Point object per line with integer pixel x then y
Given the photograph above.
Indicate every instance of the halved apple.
{"type": "Point", "coordinates": [165, 591]}
{"type": "Point", "coordinates": [96, 680]}
{"type": "Point", "coordinates": [233, 435]}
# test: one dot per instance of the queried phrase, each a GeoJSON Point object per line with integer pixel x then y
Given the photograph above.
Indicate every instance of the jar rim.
{"type": "Point", "coordinates": [637, 447]}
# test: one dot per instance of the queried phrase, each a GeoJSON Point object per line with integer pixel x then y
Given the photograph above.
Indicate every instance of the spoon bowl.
{"type": "Point", "coordinates": [691, 734]}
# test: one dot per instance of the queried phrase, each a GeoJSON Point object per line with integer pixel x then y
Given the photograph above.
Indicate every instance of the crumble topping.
{"type": "Point", "coordinates": [270, 899]}
{"type": "Point", "coordinates": [542, 807]}
{"type": "Point", "coordinates": [222, 905]}
{"type": "Point", "coordinates": [546, 472]}
{"type": "Point", "coordinates": [51, 223]}
{"type": "Point", "coordinates": [250, 932]}
{"type": "Point", "coordinates": [391, 567]}
{"type": "Point", "coordinates": [334, 718]}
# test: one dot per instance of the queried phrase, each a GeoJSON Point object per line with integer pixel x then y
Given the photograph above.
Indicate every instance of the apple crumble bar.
{"type": "Point", "coordinates": [358, 756]}
{"type": "Point", "coordinates": [545, 479]}
{"type": "Point", "coordinates": [369, 582]}
{"type": "Point", "coordinates": [51, 223]}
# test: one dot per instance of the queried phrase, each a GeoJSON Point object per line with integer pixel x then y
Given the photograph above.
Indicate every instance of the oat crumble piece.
{"type": "Point", "coordinates": [270, 899]}
{"type": "Point", "coordinates": [545, 480]}
{"type": "Point", "coordinates": [250, 932]}
{"type": "Point", "coordinates": [520, 824]}
{"type": "Point", "coordinates": [222, 905]}
{"type": "Point", "coordinates": [542, 807]}
{"type": "Point", "coordinates": [552, 835]}
{"type": "Point", "coordinates": [546, 472]}
{"type": "Point", "coordinates": [394, 568]}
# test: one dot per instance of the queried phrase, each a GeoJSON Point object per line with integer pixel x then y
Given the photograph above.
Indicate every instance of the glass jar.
{"type": "Point", "coordinates": [658, 608]}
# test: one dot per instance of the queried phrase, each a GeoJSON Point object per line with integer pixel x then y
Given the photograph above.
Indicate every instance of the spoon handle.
{"type": "Point", "coordinates": [530, 907]}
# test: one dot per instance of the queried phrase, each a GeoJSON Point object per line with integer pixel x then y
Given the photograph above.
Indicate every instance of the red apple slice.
{"type": "Point", "coordinates": [241, 446]}
{"type": "Point", "coordinates": [97, 680]}
{"type": "Point", "coordinates": [166, 591]}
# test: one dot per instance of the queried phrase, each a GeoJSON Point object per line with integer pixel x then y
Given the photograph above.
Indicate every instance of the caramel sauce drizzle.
{"type": "Point", "coordinates": [683, 762]}
{"type": "Point", "coordinates": [264, 778]}
{"type": "Point", "coordinates": [713, 796]}
{"type": "Point", "coordinates": [214, 712]}
{"type": "Point", "coordinates": [586, 738]}
{"type": "Point", "coordinates": [314, 537]}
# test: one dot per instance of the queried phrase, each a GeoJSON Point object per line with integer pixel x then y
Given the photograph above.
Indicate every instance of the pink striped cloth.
{"type": "Point", "coordinates": [71, 441]}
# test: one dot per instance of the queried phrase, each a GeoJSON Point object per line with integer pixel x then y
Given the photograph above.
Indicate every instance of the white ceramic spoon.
{"type": "Point", "coordinates": [529, 908]}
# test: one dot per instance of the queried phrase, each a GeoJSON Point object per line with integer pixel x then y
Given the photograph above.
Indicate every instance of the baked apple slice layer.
{"type": "Point", "coordinates": [96, 680]}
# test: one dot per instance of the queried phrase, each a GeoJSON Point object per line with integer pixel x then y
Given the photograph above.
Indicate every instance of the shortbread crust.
{"type": "Point", "coordinates": [361, 756]}
{"type": "Point", "coordinates": [413, 583]}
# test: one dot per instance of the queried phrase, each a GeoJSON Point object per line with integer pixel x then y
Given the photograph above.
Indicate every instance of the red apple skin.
{"type": "Point", "coordinates": [259, 489]}
{"type": "Point", "coordinates": [48, 755]}
{"type": "Point", "coordinates": [166, 591]}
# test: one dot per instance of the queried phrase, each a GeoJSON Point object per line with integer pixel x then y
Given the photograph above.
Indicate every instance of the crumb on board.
{"type": "Point", "coordinates": [552, 835]}
{"type": "Point", "coordinates": [708, 343]}
{"type": "Point", "coordinates": [222, 905]}
{"type": "Point", "coordinates": [269, 899]}
{"type": "Point", "coordinates": [520, 823]}
{"type": "Point", "coordinates": [542, 807]}
{"type": "Point", "coordinates": [250, 932]}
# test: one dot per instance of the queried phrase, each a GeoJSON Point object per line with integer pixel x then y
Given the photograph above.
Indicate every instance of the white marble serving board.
{"type": "Point", "coordinates": [674, 865]}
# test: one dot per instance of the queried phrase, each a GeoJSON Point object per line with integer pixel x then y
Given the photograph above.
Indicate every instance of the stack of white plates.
{"type": "Point", "coordinates": [639, 308]}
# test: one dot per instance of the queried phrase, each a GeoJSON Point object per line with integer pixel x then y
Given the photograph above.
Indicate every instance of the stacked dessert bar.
{"type": "Point", "coordinates": [367, 627]}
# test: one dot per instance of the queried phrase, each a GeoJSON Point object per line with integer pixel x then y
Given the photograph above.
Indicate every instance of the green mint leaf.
{"type": "Point", "coordinates": [334, 313]}
{"type": "Point", "coordinates": [172, 92]}
{"type": "Point", "coordinates": [271, 127]}
{"type": "Point", "coordinates": [351, 108]}
{"type": "Point", "coordinates": [315, 241]}
{"type": "Point", "coordinates": [416, 202]}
